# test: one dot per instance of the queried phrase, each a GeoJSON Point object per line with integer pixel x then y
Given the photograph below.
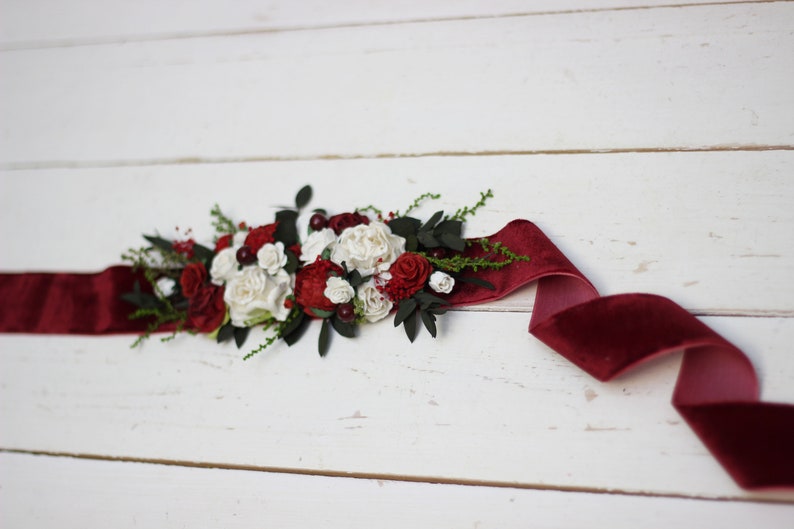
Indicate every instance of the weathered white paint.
{"type": "Point", "coordinates": [61, 492]}
{"type": "Point", "coordinates": [60, 22]}
{"type": "Point", "coordinates": [711, 230]}
{"type": "Point", "coordinates": [669, 78]}
{"type": "Point", "coordinates": [484, 401]}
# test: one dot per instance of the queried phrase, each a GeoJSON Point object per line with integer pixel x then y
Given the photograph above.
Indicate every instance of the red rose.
{"type": "Point", "coordinates": [224, 242]}
{"type": "Point", "coordinates": [184, 247]}
{"type": "Point", "coordinates": [207, 310]}
{"type": "Point", "coordinates": [341, 222]}
{"type": "Point", "coordinates": [409, 274]}
{"type": "Point", "coordinates": [193, 276]}
{"type": "Point", "coordinates": [310, 284]}
{"type": "Point", "coordinates": [260, 236]}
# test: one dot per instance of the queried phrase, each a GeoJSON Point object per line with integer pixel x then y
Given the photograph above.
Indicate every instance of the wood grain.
{"type": "Point", "coordinates": [63, 492]}
{"type": "Point", "coordinates": [48, 23]}
{"type": "Point", "coordinates": [640, 79]}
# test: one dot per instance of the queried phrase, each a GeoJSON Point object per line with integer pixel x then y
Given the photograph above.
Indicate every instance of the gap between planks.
{"type": "Point", "coordinates": [198, 160]}
{"type": "Point", "coordinates": [388, 477]}
{"type": "Point", "coordinates": [99, 41]}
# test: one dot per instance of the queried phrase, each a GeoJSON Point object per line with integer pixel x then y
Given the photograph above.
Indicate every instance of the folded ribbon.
{"type": "Point", "coordinates": [716, 391]}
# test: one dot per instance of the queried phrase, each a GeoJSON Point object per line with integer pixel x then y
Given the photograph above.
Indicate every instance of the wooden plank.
{"type": "Point", "coordinates": [483, 403]}
{"type": "Point", "coordinates": [710, 230]}
{"type": "Point", "coordinates": [639, 79]}
{"type": "Point", "coordinates": [57, 22]}
{"type": "Point", "coordinates": [64, 492]}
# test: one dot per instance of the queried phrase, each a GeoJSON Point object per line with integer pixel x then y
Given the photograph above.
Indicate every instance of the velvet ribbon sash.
{"type": "Point", "coordinates": [716, 392]}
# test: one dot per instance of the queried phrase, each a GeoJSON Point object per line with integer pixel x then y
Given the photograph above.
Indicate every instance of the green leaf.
{"type": "Point", "coordinates": [303, 197]}
{"type": "Point", "coordinates": [430, 322]}
{"type": "Point", "coordinates": [449, 226]}
{"type": "Point", "coordinates": [428, 299]}
{"type": "Point", "coordinates": [293, 324]}
{"type": "Point", "coordinates": [411, 243]}
{"type": "Point", "coordinates": [410, 328]}
{"type": "Point", "coordinates": [320, 313]}
{"type": "Point", "coordinates": [453, 241]}
{"type": "Point", "coordinates": [432, 221]}
{"type": "Point", "coordinates": [240, 334]}
{"type": "Point", "coordinates": [292, 262]}
{"type": "Point", "coordinates": [296, 333]}
{"type": "Point", "coordinates": [404, 226]}
{"type": "Point", "coordinates": [477, 281]}
{"type": "Point", "coordinates": [407, 307]}
{"type": "Point", "coordinates": [225, 333]}
{"type": "Point", "coordinates": [286, 231]}
{"type": "Point", "coordinates": [427, 240]}
{"type": "Point", "coordinates": [345, 329]}
{"type": "Point", "coordinates": [355, 278]}
{"type": "Point", "coordinates": [322, 344]}
{"type": "Point", "coordinates": [159, 242]}
{"type": "Point", "coordinates": [203, 254]}
{"type": "Point", "coordinates": [321, 211]}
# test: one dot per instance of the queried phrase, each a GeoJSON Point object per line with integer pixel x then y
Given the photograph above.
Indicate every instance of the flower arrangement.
{"type": "Point", "coordinates": [350, 269]}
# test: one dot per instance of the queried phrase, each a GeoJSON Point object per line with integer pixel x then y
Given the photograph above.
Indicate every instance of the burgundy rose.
{"type": "Point", "coordinates": [193, 276]}
{"type": "Point", "coordinates": [260, 236]}
{"type": "Point", "coordinates": [224, 242]}
{"type": "Point", "coordinates": [207, 310]}
{"type": "Point", "coordinates": [310, 284]}
{"type": "Point", "coordinates": [341, 222]}
{"type": "Point", "coordinates": [184, 247]}
{"type": "Point", "coordinates": [409, 274]}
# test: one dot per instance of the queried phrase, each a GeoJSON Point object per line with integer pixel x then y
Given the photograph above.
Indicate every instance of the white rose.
{"type": "Point", "coordinates": [252, 296]}
{"type": "Point", "coordinates": [239, 238]}
{"type": "Point", "coordinates": [375, 304]}
{"type": "Point", "coordinates": [224, 266]}
{"type": "Point", "coordinates": [166, 285]}
{"type": "Point", "coordinates": [271, 257]}
{"type": "Point", "coordinates": [441, 282]}
{"type": "Point", "coordinates": [368, 248]}
{"type": "Point", "coordinates": [316, 243]}
{"type": "Point", "coordinates": [338, 290]}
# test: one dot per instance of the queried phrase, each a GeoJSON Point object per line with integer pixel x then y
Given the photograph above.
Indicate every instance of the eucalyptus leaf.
{"type": "Point", "coordinates": [322, 344]}
{"type": "Point", "coordinates": [303, 197]}
{"type": "Point", "coordinates": [404, 226]}
{"type": "Point", "coordinates": [453, 241]}
{"type": "Point", "coordinates": [430, 322]}
{"type": "Point", "coordinates": [225, 333]}
{"type": "Point", "coordinates": [159, 242]}
{"type": "Point", "coordinates": [432, 221]}
{"type": "Point", "coordinates": [410, 328]}
{"type": "Point", "coordinates": [449, 226]}
{"type": "Point", "coordinates": [296, 333]}
{"type": "Point", "coordinates": [240, 334]}
{"type": "Point", "coordinates": [345, 329]}
{"type": "Point", "coordinates": [355, 278]}
{"type": "Point", "coordinates": [286, 231]}
{"type": "Point", "coordinates": [427, 240]}
{"type": "Point", "coordinates": [411, 243]}
{"type": "Point", "coordinates": [292, 262]}
{"type": "Point", "coordinates": [203, 253]}
{"type": "Point", "coordinates": [293, 324]}
{"type": "Point", "coordinates": [427, 299]}
{"type": "Point", "coordinates": [407, 307]}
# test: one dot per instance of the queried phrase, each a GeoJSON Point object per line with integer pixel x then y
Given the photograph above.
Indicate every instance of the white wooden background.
{"type": "Point", "coordinates": [653, 142]}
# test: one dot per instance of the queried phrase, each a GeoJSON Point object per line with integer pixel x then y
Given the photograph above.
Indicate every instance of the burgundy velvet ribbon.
{"type": "Point", "coordinates": [716, 391]}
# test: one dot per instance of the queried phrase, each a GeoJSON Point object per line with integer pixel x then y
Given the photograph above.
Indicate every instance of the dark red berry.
{"type": "Point", "coordinates": [346, 312]}
{"type": "Point", "coordinates": [318, 222]}
{"type": "Point", "coordinates": [245, 255]}
{"type": "Point", "coordinates": [437, 253]}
